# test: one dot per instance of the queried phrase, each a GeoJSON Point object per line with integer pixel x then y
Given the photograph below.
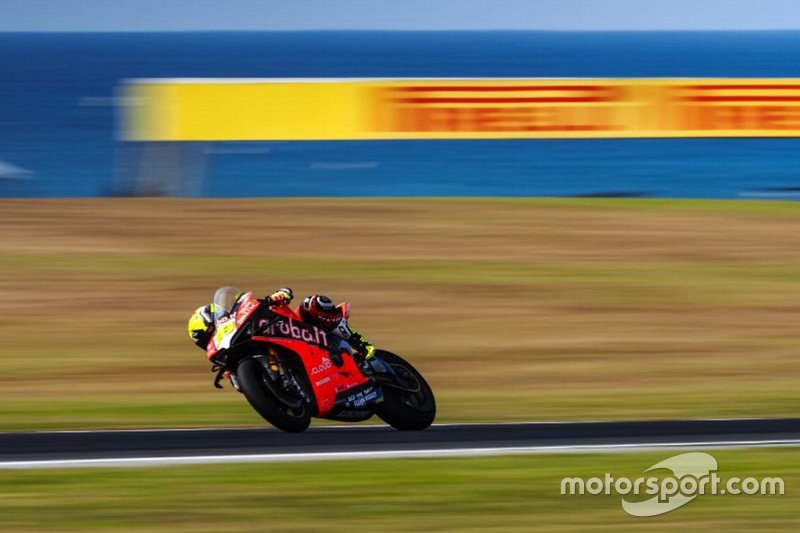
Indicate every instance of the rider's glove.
{"type": "Point", "coordinates": [281, 296]}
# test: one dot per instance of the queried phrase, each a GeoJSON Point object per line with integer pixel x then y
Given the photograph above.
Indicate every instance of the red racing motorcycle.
{"type": "Point", "coordinates": [284, 368]}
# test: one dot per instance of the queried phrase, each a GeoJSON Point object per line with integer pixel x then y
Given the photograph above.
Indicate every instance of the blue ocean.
{"type": "Point", "coordinates": [57, 124]}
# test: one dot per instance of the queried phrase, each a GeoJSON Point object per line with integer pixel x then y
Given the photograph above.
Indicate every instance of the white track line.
{"type": "Point", "coordinates": [389, 454]}
{"type": "Point", "coordinates": [375, 426]}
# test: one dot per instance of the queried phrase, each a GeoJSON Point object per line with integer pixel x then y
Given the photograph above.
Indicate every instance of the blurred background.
{"type": "Point", "coordinates": [635, 259]}
{"type": "Point", "coordinates": [60, 89]}
{"type": "Point", "coordinates": [308, 149]}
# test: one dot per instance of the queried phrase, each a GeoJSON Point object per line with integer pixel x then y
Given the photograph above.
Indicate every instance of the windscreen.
{"type": "Point", "coordinates": [224, 299]}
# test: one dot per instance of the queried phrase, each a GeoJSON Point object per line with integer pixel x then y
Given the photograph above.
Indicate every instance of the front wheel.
{"type": "Point", "coordinates": [408, 402]}
{"type": "Point", "coordinates": [292, 419]}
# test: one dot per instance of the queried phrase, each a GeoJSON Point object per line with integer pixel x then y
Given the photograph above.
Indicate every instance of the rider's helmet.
{"type": "Point", "coordinates": [201, 325]}
{"type": "Point", "coordinates": [321, 311]}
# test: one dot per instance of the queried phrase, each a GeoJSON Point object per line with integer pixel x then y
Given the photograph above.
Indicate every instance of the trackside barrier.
{"type": "Point", "coordinates": [339, 109]}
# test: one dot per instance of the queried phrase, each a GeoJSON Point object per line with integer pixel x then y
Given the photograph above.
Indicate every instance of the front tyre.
{"type": "Point", "coordinates": [408, 402]}
{"type": "Point", "coordinates": [251, 378]}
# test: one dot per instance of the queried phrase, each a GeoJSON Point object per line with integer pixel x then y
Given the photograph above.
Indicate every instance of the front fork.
{"type": "Point", "coordinates": [278, 373]}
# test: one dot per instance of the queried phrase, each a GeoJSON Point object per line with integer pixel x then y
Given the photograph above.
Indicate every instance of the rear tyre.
{"type": "Point", "coordinates": [251, 377]}
{"type": "Point", "coordinates": [403, 409]}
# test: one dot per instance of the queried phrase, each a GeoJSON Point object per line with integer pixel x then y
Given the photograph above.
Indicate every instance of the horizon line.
{"type": "Point", "coordinates": [424, 30]}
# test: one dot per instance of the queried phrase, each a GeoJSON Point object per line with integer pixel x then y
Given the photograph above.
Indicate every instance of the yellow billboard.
{"type": "Point", "coordinates": [334, 109]}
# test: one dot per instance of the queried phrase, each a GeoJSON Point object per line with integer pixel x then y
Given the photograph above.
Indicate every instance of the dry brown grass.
{"type": "Point", "coordinates": [522, 309]}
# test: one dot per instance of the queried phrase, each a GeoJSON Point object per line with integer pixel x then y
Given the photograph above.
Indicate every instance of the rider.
{"type": "Point", "coordinates": [316, 310]}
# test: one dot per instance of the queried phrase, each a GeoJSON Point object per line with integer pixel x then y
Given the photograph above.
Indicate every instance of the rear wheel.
{"type": "Point", "coordinates": [288, 412]}
{"type": "Point", "coordinates": [408, 402]}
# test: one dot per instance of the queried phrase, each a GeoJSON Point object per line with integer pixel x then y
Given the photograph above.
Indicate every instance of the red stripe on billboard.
{"type": "Point", "coordinates": [743, 98]}
{"type": "Point", "coordinates": [744, 87]}
{"type": "Point", "coordinates": [521, 100]}
{"type": "Point", "coordinates": [501, 88]}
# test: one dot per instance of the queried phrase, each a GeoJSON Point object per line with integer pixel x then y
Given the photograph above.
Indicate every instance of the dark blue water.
{"type": "Point", "coordinates": [56, 124]}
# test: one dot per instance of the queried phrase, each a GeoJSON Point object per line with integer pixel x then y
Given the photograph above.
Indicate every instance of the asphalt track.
{"type": "Point", "coordinates": [198, 446]}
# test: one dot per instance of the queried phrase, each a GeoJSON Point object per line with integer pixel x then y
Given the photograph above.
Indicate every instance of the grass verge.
{"type": "Point", "coordinates": [516, 493]}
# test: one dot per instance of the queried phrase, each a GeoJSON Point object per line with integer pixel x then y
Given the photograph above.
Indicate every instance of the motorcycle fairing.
{"type": "Point", "coordinates": [356, 403]}
{"type": "Point", "coordinates": [332, 386]}
{"type": "Point", "coordinates": [227, 328]}
{"type": "Point", "coordinates": [247, 306]}
{"type": "Point", "coordinates": [326, 379]}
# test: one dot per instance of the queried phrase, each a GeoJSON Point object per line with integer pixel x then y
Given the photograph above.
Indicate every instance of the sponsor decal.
{"type": "Point", "coordinates": [322, 367]}
{"type": "Point", "coordinates": [324, 381]}
{"type": "Point", "coordinates": [501, 108]}
{"type": "Point", "coordinates": [244, 312]}
{"type": "Point", "coordinates": [361, 398]}
{"type": "Point", "coordinates": [351, 413]}
{"type": "Point", "coordinates": [589, 108]}
{"type": "Point", "coordinates": [738, 106]}
{"type": "Point", "coordinates": [294, 330]}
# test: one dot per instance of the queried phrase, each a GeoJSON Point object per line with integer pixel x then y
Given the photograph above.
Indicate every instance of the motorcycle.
{"type": "Point", "coordinates": [291, 371]}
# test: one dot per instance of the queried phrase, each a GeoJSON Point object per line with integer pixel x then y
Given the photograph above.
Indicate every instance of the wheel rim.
{"type": "Point", "coordinates": [291, 405]}
{"type": "Point", "coordinates": [413, 396]}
